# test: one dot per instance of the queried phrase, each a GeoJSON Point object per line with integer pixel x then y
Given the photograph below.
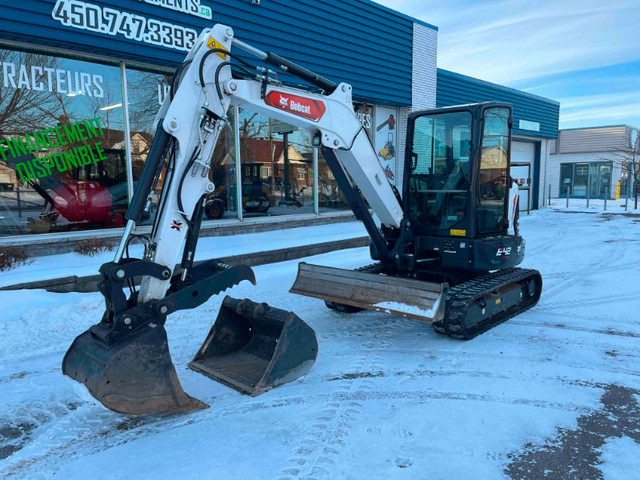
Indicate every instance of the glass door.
{"type": "Point", "coordinates": [566, 178]}
{"type": "Point", "coordinates": [605, 180]}
{"type": "Point", "coordinates": [581, 180]}
{"type": "Point", "coordinates": [594, 186]}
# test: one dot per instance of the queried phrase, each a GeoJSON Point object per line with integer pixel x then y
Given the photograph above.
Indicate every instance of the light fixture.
{"type": "Point", "coordinates": [110, 107]}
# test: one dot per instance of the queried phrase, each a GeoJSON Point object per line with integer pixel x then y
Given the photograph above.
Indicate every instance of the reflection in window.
{"type": "Point", "coordinates": [439, 182]}
{"type": "Point", "coordinates": [62, 164]}
{"type": "Point", "coordinates": [566, 178]}
{"type": "Point", "coordinates": [222, 202]}
{"type": "Point", "coordinates": [330, 197]}
{"type": "Point", "coordinates": [277, 166]}
{"type": "Point", "coordinates": [146, 91]}
{"type": "Point", "coordinates": [493, 171]}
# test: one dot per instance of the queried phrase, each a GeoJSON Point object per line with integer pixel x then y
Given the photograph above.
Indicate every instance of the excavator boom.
{"type": "Point", "coordinates": [124, 360]}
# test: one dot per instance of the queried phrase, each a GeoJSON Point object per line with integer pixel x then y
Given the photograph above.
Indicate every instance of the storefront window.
{"type": "Point", "coordinates": [579, 178]}
{"type": "Point", "coordinates": [566, 178]}
{"type": "Point", "coordinates": [604, 180]}
{"type": "Point", "coordinates": [62, 164]}
{"type": "Point", "coordinates": [330, 197]}
{"type": "Point", "coordinates": [276, 167]}
{"type": "Point", "coordinates": [146, 92]}
{"type": "Point", "coordinates": [222, 202]}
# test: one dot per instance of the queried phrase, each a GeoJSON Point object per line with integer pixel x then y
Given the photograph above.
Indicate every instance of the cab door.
{"type": "Point", "coordinates": [493, 172]}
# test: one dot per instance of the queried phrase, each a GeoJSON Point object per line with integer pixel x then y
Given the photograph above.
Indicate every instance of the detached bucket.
{"type": "Point", "coordinates": [253, 347]}
{"type": "Point", "coordinates": [133, 376]}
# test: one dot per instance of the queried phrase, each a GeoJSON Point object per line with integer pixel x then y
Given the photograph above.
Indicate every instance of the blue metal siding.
{"type": "Point", "coordinates": [344, 40]}
{"type": "Point", "coordinates": [456, 89]}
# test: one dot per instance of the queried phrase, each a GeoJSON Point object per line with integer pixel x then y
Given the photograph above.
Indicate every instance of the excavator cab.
{"type": "Point", "coordinates": [457, 192]}
{"type": "Point", "coordinates": [451, 262]}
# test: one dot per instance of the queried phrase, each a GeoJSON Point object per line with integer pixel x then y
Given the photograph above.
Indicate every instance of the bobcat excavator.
{"type": "Point", "coordinates": [445, 249]}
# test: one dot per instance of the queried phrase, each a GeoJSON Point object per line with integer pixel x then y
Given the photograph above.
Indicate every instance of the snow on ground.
{"type": "Point", "coordinates": [544, 394]}
{"type": "Point", "coordinates": [621, 458]}
{"type": "Point", "coordinates": [595, 205]}
{"type": "Point", "coordinates": [68, 264]}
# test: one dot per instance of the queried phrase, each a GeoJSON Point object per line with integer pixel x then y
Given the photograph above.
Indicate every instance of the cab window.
{"type": "Point", "coordinates": [439, 176]}
{"type": "Point", "coordinates": [493, 171]}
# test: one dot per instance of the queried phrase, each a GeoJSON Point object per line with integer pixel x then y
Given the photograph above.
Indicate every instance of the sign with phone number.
{"type": "Point", "coordinates": [110, 21]}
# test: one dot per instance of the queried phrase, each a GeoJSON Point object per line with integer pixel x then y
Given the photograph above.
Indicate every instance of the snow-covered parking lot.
{"type": "Point", "coordinates": [553, 393]}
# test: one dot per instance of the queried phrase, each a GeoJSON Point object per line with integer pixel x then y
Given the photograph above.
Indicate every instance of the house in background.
{"type": "Point", "coordinates": [591, 161]}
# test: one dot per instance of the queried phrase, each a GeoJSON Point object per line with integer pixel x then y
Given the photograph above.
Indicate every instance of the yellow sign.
{"type": "Point", "coordinates": [618, 191]}
{"type": "Point", "coordinates": [458, 233]}
{"type": "Point", "coordinates": [213, 43]}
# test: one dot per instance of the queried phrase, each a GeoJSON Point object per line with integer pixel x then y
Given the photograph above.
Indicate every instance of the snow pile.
{"type": "Point", "coordinates": [68, 264]}
{"type": "Point", "coordinates": [415, 310]}
{"type": "Point", "coordinates": [620, 459]}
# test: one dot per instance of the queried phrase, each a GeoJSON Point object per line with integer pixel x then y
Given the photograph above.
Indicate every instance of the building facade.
{"type": "Point", "coordinates": [595, 162]}
{"type": "Point", "coordinates": [535, 126]}
{"type": "Point", "coordinates": [81, 83]}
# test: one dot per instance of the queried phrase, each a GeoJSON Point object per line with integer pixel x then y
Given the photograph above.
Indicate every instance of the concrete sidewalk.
{"type": "Point", "coordinates": [72, 272]}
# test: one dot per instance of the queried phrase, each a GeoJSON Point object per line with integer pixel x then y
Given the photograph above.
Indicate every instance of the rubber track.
{"type": "Point", "coordinates": [462, 296]}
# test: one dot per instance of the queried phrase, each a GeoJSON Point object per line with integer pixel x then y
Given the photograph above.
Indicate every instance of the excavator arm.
{"type": "Point", "coordinates": [124, 360]}
{"type": "Point", "coordinates": [194, 116]}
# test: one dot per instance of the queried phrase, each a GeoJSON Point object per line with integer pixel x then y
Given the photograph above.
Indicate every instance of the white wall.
{"type": "Point", "coordinates": [423, 85]}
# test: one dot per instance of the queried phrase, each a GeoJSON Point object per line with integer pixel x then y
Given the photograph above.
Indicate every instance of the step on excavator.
{"type": "Point", "coordinates": [445, 250]}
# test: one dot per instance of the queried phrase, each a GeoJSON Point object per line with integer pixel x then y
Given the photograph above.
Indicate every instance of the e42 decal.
{"type": "Point", "coordinates": [503, 252]}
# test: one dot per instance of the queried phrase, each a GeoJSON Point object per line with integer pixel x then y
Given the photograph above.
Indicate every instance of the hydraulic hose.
{"type": "Point", "coordinates": [145, 182]}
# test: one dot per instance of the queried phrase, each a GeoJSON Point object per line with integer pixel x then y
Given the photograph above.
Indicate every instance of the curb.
{"type": "Point", "coordinates": [90, 283]}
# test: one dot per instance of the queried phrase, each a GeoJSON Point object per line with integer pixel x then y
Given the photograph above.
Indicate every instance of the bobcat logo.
{"type": "Point", "coordinates": [284, 101]}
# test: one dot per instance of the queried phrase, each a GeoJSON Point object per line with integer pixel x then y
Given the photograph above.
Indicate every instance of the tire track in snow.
{"type": "Point", "coordinates": [590, 302]}
{"type": "Point", "coordinates": [91, 433]}
{"type": "Point", "coordinates": [316, 455]}
{"type": "Point", "coordinates": [617, 267]}
{"type": "Point", "coordinates": [587, 271]}
{"type": "Point", "coordinates": [560, 231]}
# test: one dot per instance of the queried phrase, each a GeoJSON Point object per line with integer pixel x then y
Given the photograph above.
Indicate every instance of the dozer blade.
{"type": "Point", "coordinates": [253, 347]}
{"type": "Point", "coordinates": [400, 296]}
{"type": "Point", "coordinates": [134, 376]}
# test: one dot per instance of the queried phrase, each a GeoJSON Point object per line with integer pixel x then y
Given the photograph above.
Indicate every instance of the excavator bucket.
{"type": "Point", "coordinates": [134, 376]}
{"type": "Point", "coordinates": [406, 297]}
{"type": "Point", "coordinates": [253, 347]}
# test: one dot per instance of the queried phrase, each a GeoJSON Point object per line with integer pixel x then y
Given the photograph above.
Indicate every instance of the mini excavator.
{"type": "Point", "coordinates": [445, 250]}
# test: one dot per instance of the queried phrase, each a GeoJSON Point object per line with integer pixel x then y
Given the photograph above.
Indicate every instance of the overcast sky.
{"type": "Point", "coordinates": [584, 54]}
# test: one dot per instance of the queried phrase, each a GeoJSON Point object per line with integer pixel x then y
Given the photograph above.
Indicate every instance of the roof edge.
{"type": "Point", "coordinates": [597, 126]}
{"type": "Point", "coordinates": [400, 14]}
{"type": "Point", "coordinates": [499, 87]}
